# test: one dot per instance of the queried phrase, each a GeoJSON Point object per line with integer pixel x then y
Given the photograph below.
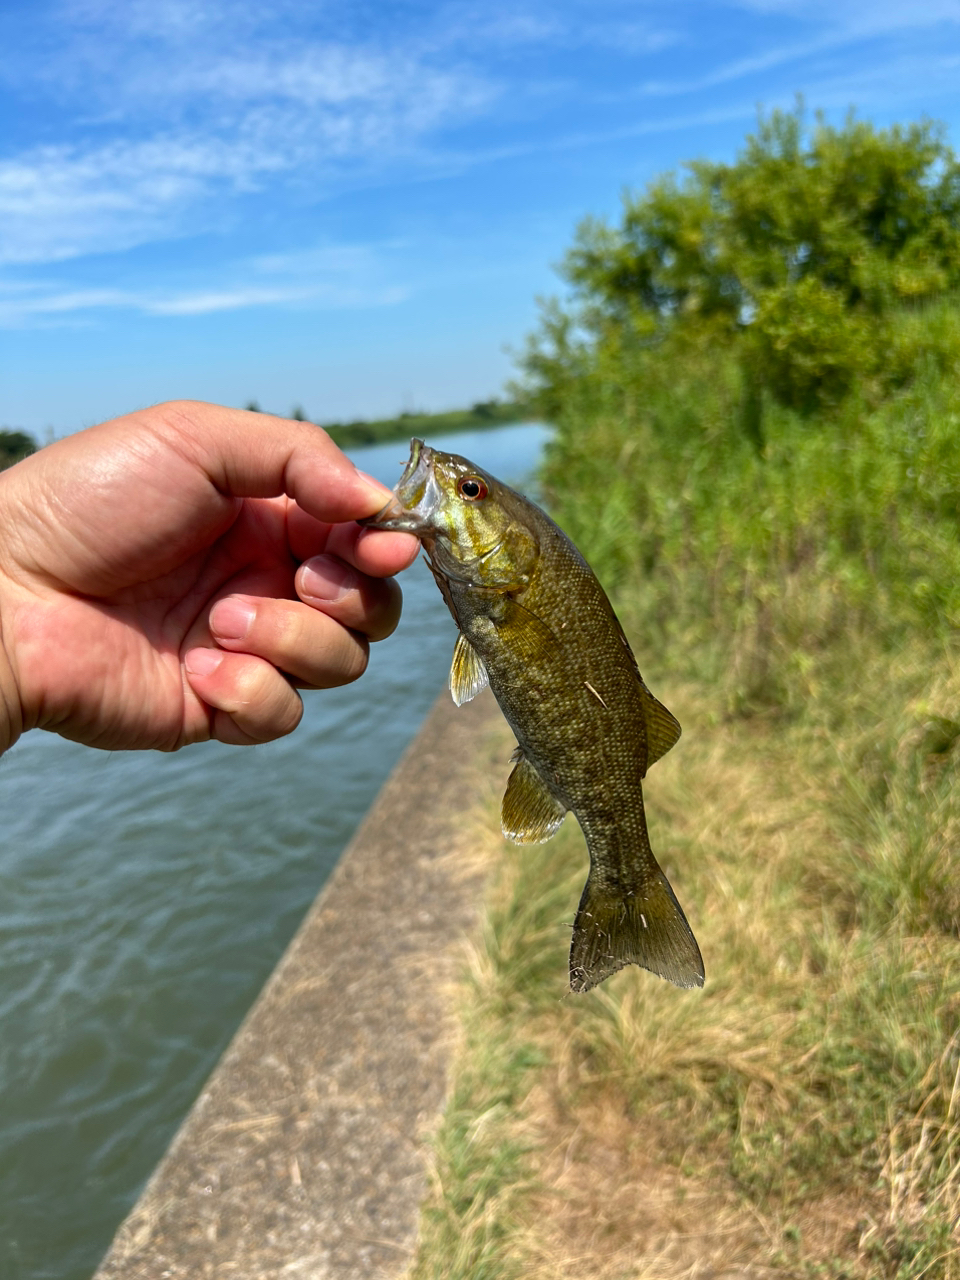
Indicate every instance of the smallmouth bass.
{"type": "Point", "coordinates": [537, 626]}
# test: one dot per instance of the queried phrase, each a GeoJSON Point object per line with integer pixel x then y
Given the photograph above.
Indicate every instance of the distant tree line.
{"type": "Point", "coordinates": [15, 445]}
{"type": "Point", "coordinates": [361, 431]}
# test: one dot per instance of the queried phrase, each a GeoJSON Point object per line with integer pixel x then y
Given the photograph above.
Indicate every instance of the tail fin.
{"type": "Point", "coordinates": [648, 929]}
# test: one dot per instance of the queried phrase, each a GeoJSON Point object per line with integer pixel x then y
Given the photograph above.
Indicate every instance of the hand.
{"type": "Point", "coordinates": [169, 577]}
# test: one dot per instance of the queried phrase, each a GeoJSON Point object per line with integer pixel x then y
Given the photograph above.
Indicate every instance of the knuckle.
{"type": "Point", "coordinates": [288, 714]}
{"type": "Point", "coordinates": [358, 651]}
{"type": "Point", "coordinates": [273, 711]}
{"type": "Point", "coordinates": [387, 616]}
{"type": "Point", "coordinates": [284, 631]}
{"type": "Point", "coordinates": [346, 659]}
{"type": "Point", "coordinates": [251, 680]}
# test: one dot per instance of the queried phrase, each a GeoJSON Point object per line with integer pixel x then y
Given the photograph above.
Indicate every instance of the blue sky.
{"type": "Point", "coordinates": [352, 204]}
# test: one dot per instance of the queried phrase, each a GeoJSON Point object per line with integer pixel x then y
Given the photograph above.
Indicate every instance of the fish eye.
{"type": "Point", "coordinates": [472, 488]}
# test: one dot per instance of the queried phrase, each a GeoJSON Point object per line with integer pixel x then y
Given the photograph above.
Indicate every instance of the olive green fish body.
{"type": "Point", "coordinates": [535, 622]}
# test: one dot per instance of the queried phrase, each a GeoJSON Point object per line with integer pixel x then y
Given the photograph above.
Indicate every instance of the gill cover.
{"type": "Point", "coordinates": [460, 513]}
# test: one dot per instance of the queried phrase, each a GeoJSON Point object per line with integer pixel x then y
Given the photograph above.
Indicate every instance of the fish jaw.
{"type": "Point", "coordinates": [415, 498]}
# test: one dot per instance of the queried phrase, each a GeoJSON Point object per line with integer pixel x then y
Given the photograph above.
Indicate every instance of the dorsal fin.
{"type": "Point", "coordinates": [663, 729]}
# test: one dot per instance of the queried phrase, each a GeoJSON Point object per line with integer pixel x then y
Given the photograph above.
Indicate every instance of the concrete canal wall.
{"type": "Point", "coordinates": [305, 1154]}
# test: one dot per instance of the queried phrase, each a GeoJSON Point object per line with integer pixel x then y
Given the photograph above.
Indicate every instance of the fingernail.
{"type": "Point", "coordinates": [202, 662]}
{"type": "Point", "coordinates": [231, 618]}
{"type": "Point", "coordinates": [326, 578]}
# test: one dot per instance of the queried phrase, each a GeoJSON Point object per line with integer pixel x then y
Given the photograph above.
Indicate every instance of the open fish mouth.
{"type": "Point", "coordinates": [415, 498]}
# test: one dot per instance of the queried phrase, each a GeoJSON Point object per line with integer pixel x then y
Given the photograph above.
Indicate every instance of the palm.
{"type": "Point", "coordinates": [126, 646]}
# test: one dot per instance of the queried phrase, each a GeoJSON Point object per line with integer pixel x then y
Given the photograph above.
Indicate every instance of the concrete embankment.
{"type": "Point", "coordinates": [305, 1154]}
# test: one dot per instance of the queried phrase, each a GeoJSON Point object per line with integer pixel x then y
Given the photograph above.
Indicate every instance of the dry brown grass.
{"type": "Point", "coordinates": [799, 1117]}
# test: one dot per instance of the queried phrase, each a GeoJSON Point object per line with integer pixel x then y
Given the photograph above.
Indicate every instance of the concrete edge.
{"type": "Point", "coordinates": [305, 1153]}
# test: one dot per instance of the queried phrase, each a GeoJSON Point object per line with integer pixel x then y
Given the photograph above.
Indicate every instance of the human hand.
{"type": "Point", "coordinates": [168, 577]}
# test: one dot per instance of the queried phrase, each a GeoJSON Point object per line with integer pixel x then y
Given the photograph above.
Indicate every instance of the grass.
{"type": "Point", "coordinates": [800, 1114]}
{"type": "Point", "coordinates": [796, 607]}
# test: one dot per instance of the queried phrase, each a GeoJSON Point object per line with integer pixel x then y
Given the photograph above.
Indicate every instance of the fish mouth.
{"type": "Point", "coordinates": [415, 497]}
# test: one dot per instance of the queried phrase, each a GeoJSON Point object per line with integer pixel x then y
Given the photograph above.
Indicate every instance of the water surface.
{"type": "Point", "coordinates": [145, 898]}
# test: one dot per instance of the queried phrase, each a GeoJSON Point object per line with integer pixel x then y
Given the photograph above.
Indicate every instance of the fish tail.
{"type": "Point", "coordinates": [646, 927]}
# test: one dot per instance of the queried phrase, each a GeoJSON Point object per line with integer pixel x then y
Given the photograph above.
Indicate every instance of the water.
{"type": "Point", "coordinates": [145, 898]}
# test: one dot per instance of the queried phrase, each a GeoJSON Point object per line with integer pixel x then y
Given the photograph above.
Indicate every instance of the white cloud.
{"type": "Point", "coordinates": [175, 108]}
{"type": "Point", "coordinates": [309, 115]}
{"type": "Point", "coordinates": [17, 311]}
{"type": "Point", "coordinates": [487, 26]}
{"type": "Point", "coordinates": [62, 202]}
{"type": "Point", "coordinates": [204, 303]}
{"type": "Point", "coordinates": [154, 18]}
{"type": "Point", "coordinates": [907, 80]}
{"type": "Point", "coordinates": [167, 108]}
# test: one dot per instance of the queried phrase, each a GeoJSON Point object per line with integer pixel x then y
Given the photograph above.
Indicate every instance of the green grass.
{"type": "Point", "coordinates": [481, 1174]}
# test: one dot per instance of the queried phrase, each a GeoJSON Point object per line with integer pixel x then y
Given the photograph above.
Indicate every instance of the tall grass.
{"type": "Point", "coordinates": [834, 530]}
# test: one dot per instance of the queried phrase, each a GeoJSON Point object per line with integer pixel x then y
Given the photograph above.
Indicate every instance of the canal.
{"type": "Point", "coordinates": [144, 899]}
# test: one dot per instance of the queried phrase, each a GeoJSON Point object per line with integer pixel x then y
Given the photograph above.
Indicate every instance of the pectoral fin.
{"type": "Point", "coordinates": [468, 675]}
{"type": "Point", "coordinates": [530, 638]}
{"type": "Point", "coordinates": [530, 814]}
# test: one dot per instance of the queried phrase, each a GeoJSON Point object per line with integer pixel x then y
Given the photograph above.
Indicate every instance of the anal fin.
{"type": "Point", "coordinates": [530, 814]}
{"type": "Point", "coordinates": [468, 675]}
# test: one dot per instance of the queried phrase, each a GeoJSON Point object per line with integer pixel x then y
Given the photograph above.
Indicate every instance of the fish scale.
{"type": "Point", "coordinates": [535, 622]}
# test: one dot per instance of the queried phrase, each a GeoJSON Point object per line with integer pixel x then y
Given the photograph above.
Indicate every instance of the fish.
{"type": "Point", "coordinates": [536, 625]}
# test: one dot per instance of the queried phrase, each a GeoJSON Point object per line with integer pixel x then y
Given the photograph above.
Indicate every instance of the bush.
{"type": "Point", "coordinates": [804, 252]}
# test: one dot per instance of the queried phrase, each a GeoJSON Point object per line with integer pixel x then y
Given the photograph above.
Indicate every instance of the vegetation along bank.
{"type": "Point", "coordinates": [754, 382]}
{"type": "Point", "coordinates": [362, 431]}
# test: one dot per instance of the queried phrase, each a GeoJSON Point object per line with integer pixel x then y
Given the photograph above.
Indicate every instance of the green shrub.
{"type": "Point", "coordinates": [806, 248]}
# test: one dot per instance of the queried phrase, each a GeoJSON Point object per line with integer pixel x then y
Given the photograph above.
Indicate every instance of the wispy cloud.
{"type": "Point", "coordinates": [339, 277]}
{"type": "Point", "coordinates": [517, 27]}
{"type": "Point", "coordinates": [65, 201]}
{"type": "Point", "coordinates": [840, 26]}
{"type": "Point", "coordinates": [50, 304]}
{"type": "Point", "coordinates": [169, 108]}
{"type": "Point", "coordinates": [91, 196]}
{"type": "Point", "coordinates": [860, 13]}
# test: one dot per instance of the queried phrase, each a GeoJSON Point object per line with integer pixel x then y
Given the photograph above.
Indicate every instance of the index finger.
{"type": "Point", "coordinates": [255, 455]}
{"type": "Point", "coordinates": [378, 552]}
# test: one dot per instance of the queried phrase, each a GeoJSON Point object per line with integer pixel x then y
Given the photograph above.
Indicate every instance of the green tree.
{"type": "Point", "coordinates": [15, 445]}
{"type": "Point", "coordinates": [800, 253]}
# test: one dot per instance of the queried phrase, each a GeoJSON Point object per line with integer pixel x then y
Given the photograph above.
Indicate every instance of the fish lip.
{"type": "Point", "coordinates": [415, 496]}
